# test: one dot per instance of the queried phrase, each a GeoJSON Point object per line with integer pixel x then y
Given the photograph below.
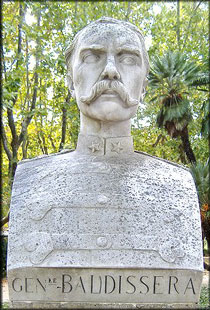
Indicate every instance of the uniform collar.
{"type": "Point", "coordinates": [96, 145]}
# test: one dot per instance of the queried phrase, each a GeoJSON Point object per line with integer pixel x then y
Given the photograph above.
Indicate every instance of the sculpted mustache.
{"type": "Point", "coordinates": [116, 86]}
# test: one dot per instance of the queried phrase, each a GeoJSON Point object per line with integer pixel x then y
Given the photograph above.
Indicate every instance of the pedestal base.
{"type": "Point", "coordinates": [102, 288]}
{"type": "Point", "coordinates": [79, 305]}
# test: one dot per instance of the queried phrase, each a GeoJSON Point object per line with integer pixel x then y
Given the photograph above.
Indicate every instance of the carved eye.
{"type": "Point", "coordinates": [128, 60]}
{"type": "Point", "coordinates": [90, 58]}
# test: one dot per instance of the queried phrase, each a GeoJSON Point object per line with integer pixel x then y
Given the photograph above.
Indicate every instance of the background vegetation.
{"type": "Point", "coordinates": [40, 117]}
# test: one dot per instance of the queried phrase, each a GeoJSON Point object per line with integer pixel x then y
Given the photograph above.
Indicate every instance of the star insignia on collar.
{"type": "Point", "coordinates": [94, 147]}
{"type": "Point", "coordinates": [117, 147]}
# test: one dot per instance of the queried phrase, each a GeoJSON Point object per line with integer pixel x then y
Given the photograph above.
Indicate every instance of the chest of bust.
{"type": "Point", "coordinates": [115, 209]}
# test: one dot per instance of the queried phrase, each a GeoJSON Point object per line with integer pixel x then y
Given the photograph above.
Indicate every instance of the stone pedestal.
{"type": "Point", "coordinates": [104, 232]}
{"type": "Point", "coordinates": [101, 288]}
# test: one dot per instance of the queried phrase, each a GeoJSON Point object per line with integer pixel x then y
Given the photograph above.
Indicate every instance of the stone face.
{"type": "Point", "coordinates": [102, 212]}
{"type": "Point", "coordinates": [107, 73]}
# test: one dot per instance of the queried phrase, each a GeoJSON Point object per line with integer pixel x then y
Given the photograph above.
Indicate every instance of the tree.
{"type": "Point", "coordinates": [200, 171]}
{"type": "Point", "coordinates": [12, 84]}
{"type": "Point", "coordinates": [201, 176]}
{"type": "Point", "coordinates": [202, 83]}
{"type": "Point", "coordinates": [171, 75]}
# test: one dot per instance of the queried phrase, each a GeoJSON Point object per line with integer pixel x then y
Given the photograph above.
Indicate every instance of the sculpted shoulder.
{"type": "Point", "coordinates": [42, 165]}
{"type": "Point", "coordinates": [45, 158]}
{"type": "Point", "coordinates": [68, 162]}
{"type": "Point", "coordinates": [40, 172]}
{"type": "Point", "coordinates": [159, 160]}
{"type": "Point", "coordinates": [161, 168]}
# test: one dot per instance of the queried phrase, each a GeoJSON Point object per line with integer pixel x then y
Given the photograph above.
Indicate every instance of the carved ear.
{"type": "Point", "coordinates": [70, 85]}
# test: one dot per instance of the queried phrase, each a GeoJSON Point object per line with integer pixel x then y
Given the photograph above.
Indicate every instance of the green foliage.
{"type": "Point", "coordinates": [145, 140]}
{"type": "Point", "coordinates": [201, 80]}
{"type": "Point", "coordinates": [174, 109]}
{"type": "Point", "coordinates": [172, 72]}
{"type": "Point", "coordinates": [42, 52]}
{"type": "Point", "coordinates": [170, 75]}
{"type": "Point", "coordinates": [200, 174]}
{"type": "Point", "coordinates": [204, 297]}
{"type": "Point", "coordinates": [205, 125]}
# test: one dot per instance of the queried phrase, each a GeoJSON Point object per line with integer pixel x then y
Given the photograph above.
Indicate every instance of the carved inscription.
{"type": "Point", "coordinates": [92, 284]}
{"type": "Point", "coordinates": [106, 284]}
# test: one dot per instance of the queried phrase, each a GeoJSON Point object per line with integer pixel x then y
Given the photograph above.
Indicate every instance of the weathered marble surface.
{"type": "Point", "coordinates": [104, 212]}
{"type": "Point", "coordinates": [106, 205]}
{"type": "Point", "coordinates": [105, 285]}
{"type": "Point", "coordinates": [87, 305]}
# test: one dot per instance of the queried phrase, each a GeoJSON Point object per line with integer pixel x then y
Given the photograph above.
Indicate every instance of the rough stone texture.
{"type": "Point", "coordinates": [107, 205]}
{"type": "Point", "coordinates": [87, 305]}
{"type": "Point", "coordinates": [102, 285]}
{"type": "Point", "coordinates": [103, 212]}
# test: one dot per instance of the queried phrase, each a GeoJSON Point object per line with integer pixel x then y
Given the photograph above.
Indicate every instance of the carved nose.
{"type": "Point", "coordinates": [110, 71]}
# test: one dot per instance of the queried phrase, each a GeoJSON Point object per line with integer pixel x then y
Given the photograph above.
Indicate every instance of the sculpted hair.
{"type": "Point", "coordinates": [105, 20]}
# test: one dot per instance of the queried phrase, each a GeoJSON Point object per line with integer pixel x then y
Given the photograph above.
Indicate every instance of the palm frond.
{"type": "Point", "coordinates": [172, 66]}
{"type": "Point", "coordinates": [172, 74]}
{"type": "Point", "coordinates": [205, 125]}
{"type": "Point", "coordinates": [200, 173]}
{"type": "Point", "coordinates": [202, 80]}
{"type": "Point", "coordinates": [179, 113]}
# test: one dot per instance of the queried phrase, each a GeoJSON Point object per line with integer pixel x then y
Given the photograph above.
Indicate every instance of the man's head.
{"type": "Point", "coordinates": [107, 66]}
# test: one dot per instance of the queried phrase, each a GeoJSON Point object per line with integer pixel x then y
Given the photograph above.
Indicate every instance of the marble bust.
{"type": "Point", "coordinates": [107, 68]}
{"type": "Point", "coordinates": [126, 220]}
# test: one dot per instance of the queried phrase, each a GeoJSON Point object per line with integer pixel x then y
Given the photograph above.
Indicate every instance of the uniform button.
{"type": "Point", "coordinates": [102, 199]}
{"type": "Point", "coordinates": [102, 242]}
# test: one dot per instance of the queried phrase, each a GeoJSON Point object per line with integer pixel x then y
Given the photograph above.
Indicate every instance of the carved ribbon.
{"type": "Point", "coordinates": [41, 244]}
{"type": "Point", "coordinates": [81, 199]}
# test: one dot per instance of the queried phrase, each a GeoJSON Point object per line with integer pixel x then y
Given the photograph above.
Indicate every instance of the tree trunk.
{"type": "Point", "coordinates": [206, 266]}
{"type": "Point", "coordinates": [13, 169]}
{"type": "Point", "coordinates": [128, 11]}
{"type": "Point", "coordinates": [64, 122]}
{"type": "Point", "coordinates": [206, 231]}
{"type": "Point", "coordinates": [44, 143]}
{"type": "Point", "coordinates": [52, 143]}
{"type": "Point", "coordinates": [182, 154]}
{"type": "Point", "coordinates": [190, 21]}
{"type": "Point", "coordinates": [17, 140]}
{"type": "Point", "coordinates": [178, 23]}
{"type": "Point", "coordinates": [24, 147]}
{"type": "Point", "coordinates": [187, 146]}
{"type": "Point", "coordinates": [63, 132]}
{"type": "Point", "coordinates": [5, 220]}
{"type": "Point", "coordinates": [157, 141]}
{"type": "Point", "coordinates": [207, 235]}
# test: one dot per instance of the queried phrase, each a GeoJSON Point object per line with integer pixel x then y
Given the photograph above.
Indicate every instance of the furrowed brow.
{"type": "Point", "coordinates": [95, 47]}
{"type": "Point", "coordinates": [129, 50]}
